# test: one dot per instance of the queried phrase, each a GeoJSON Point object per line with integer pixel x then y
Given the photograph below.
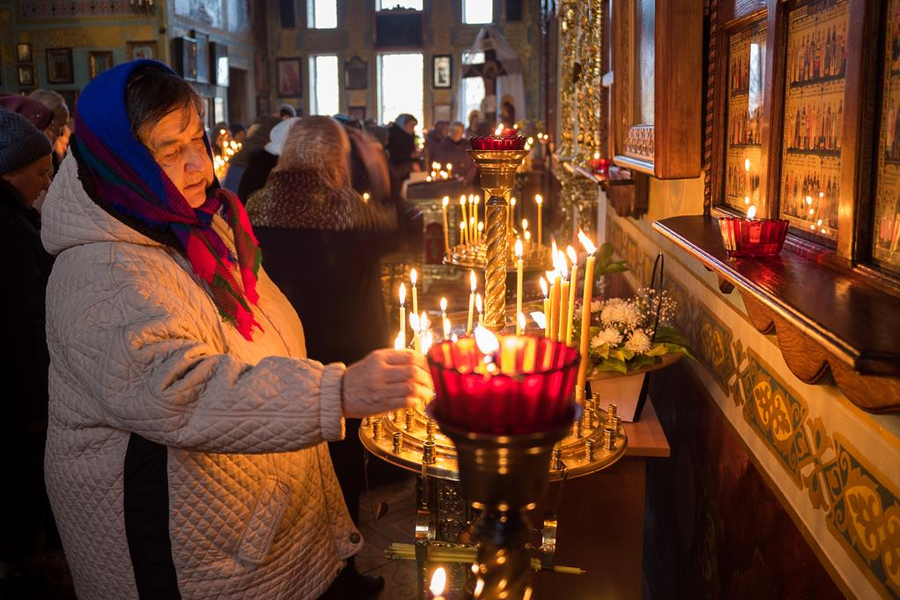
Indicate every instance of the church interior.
{"type": "Point", "coordinates": [714, 183]}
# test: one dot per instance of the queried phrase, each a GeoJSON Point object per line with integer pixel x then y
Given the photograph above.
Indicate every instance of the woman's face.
{"type": "Point", "coordinates": [176, 143]}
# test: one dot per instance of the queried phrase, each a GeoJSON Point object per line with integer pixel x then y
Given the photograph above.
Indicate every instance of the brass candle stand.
{"type": "Point", "coordinates": [444, 534]}
{"type": "Point", "coordinates": [497, 170]}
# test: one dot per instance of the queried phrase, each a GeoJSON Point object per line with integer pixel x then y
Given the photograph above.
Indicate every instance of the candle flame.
{"type": "Point", "coordinates": [445, 201]}
{"type": "Point", "coordinates": [413, 276]}
{"type": "Point", "coordinates": [527, 235]}
{"type": "Point", "coordinates": [751, 212]}
{"type": "Point", "coordinates": [524, 224]}
{"type": "Point", "coordinates": [596, 155]}
{"type": "Point", "coordinates": [449, 167]}
{"type": "Point", "coordinates": [443, 305]}
{"type": "Point", "coordinates": [446, 328]}
{"type": "Point", "coordinates": [399, 342]}
{"type": "Point", "coordinates": [746, 199]}
{"type": "Point", "coordinates": [402, 294]}
{"type": "Point", "coordinates": [472, 280]}
{"type": "Point", "coordinates": [462, 200]}
{"type": "Point", "coordinates": [521, 321]}
{"type": "Point", "coordinates": [809, 199]}
{"type": "Point", "coordinates": [438, 582]}
{"type": "Point", "coordinates": [428, 179]}
{"type": "Point", "coordinates": [486, 341]}
{"type": "Point", "coordinates": [544, 290]}
{"type": "Point", "coordinates": [499, 129]}
{"type": "Point", "coordinates": [479, 305]}
{"type": "Point", "coordinates": [530, 140]}
{"type": "Point", "coordinates": [518, 248]}
{"type": "Point", "coordinates": [365, 196]}
{"type": "Point", "coordinates": [586, 242]}
{"type": "Point", "coordinates": [480, 226]}
{"type": "Point", "coordinates": [551, 276]}
{"type": "Point", "coordinates": [477, 198]}
{"type": "Point", "coordinates": [426, 340]}
{"type": "Point", "coordinates": [573, 256]}
{"type": "Point", "coordinates": [538, 199]}
{"type": "Point", "coordinates": [512, 201]}
{"type": "Point", "coordinates": [414, 322]}
{"type": "Point", "coordinates": [747, 164]}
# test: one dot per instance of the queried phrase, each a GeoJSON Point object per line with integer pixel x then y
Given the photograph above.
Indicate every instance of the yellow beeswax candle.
{"type": "Point", "coordinates": [444, 204]}
{"type": "Point", "coordinates": [554, 305]}
{"type": "Point", "coordinates": [586, 307]}
{"type": "Point", "coordinates": [414, 278]}
{"type": "Point", "coordinates": [479, 306]}
{"type": "Point", "coordinates": [519, 274]}
{"type": "Point", "coordinates": [539, 200]}
{"type": "Point", "coordinates": [464, 221]}
{"type": "Point", "coordinates": [546, 292]}
{"type": "Point", "coordinates": [403, 312]}
{"type": "Point", "coordinates": [573, 286]}
{"type": "Point", "coordinates": [472, 285]}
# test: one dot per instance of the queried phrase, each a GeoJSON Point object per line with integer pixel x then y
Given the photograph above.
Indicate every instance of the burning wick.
{"type": "Point", "coordinates": [751, 212]}
{"type": "Point", "coordinates": [489, 345]}
{"type": "Point", "coordinates": [438, 583]}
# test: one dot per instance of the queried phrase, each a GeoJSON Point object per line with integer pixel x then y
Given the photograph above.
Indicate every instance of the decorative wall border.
{"type": "Point", "coordinates": [841, 484]}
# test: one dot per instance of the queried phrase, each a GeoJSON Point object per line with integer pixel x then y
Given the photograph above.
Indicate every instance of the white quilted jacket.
{"type": "Point", "coordinates": [137, 345]}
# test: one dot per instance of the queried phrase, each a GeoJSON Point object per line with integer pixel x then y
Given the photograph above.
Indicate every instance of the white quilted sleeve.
{"type": "Point", "coordinates": [149, 359]}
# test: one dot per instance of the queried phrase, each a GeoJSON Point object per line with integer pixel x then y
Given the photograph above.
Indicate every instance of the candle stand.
{"type": "Point", "coordinates": [446, 520]}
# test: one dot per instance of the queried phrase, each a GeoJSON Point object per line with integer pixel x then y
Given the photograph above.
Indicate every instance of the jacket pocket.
{"type": "Point", "coordinates": [264, 521]}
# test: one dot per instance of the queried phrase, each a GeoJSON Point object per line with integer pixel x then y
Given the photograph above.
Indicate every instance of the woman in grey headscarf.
{"type": "Point", "coordinates": [257, 137]}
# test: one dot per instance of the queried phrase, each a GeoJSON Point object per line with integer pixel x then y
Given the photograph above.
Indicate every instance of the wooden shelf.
{"type": "Point", "coordinates": [824, 319]}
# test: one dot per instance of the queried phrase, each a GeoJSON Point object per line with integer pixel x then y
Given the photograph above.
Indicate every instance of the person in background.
{"type": "Point", "coordinates": [220, 138]}
{"type": "Point", "coordinates": [27, 532]}
{"type": "Point", "coordinates": [238, 133]}
{"type": "Point", "coordinates": [286, 111]}
{"type": "Point", "coordinates": [57, 105]}
{"type": "Point", "coordinates": [261, 163]}
{"type": "Point", "coordinates": [257, 138]}
{"type": "Point", "coordinates": [453, 150]}
{"type": "Point", "coordinates": [402, 147]}
{"type": "Point", "coordinates": [433, 139]}
{"type": "Point", "coordinates": [38, 115]}
{"type": "Point", "coordinates": [62, 142]}
{"type": "Point", "coordinates": [474, 123]}
{"type": "Point", "coordinates": [185, 448]}
{"type": "Point", "coordinates": [309, 208]}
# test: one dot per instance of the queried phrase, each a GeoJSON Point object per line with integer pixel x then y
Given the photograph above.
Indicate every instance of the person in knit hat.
{"type": "Point", "coordinates": [26, 523]}
{"type": "Point", "coordinates": [186, 453]}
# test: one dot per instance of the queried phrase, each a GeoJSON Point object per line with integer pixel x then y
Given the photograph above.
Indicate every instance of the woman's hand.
{"type": "Point", "coordinates": [386, 380]}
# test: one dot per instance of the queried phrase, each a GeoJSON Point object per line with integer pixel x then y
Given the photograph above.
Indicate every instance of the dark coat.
{"type": "Point", "coordinates": [323, 251]}
{"type": "Point", "coordinates": [23, 412]}
{"type": "Point", "coordinates": [456, 154]}
{"type": "Point", "coordinates": [259, 165]}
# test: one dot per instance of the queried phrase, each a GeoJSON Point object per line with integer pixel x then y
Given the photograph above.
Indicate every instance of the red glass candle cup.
{"type": "Point", "coordinates": [497, 143]}
{"type": "Point", "coordinates": [753, 237]}
{"type": "Point", "coordinates": [600, 165]}
{"type": "Point", "coordinates": [530, 389]}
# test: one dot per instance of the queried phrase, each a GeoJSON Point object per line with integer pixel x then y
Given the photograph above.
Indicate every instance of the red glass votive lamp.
{"type": "Point", "coordinates": [754, 238]}
{"type": "Point", "coordinates": [599, 165]}
{"type": "Point", "coordinates": [525, 387]}
{"type": "Point", "coordinates": [492, 142]}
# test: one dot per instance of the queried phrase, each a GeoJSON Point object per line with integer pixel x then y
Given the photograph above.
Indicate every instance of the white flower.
{"type": "Point", "coordinates": [610, 336]}
{"type": "Point", "coordinates": [596, 305]}
{"type": "Point", "coordinates": [618, 311]}
{"type": "Point", "coordinates": [638, 342]}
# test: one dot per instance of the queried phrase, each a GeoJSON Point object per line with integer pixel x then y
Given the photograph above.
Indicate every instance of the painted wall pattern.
{"type": "Point", "coordinates": [861, 511]}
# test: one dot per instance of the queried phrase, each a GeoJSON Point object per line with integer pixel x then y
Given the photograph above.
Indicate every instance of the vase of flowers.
{"type": "Point", "coordinates": [630, 338]}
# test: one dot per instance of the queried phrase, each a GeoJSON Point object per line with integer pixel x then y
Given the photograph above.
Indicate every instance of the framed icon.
{"type": "Point", "coordinates": [289, 78]}
{"type": "Point", "coordinates": [59, 65]}
{"type": "Point", "coordinates": [26, 75]}
{"type": "Point", "coordinates": [23, 52]}
{"type": "Point", "coordinates": [136, 50]}
{"type": "Point", "coordinates": [99, 62]}
{"type": "Point", "coordinates": [442, 71]}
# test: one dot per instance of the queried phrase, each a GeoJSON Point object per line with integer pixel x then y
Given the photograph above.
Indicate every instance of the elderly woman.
{"type": "Point", "coordinates": [309, 208]}
{"type": "Point", "coordinates": [185, 453]}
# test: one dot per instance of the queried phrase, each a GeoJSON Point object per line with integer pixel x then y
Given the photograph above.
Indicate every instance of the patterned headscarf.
{"type": "Point", "coordinates": [125, 180]}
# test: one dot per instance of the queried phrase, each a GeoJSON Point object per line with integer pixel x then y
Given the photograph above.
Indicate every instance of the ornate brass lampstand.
{"type": "Point", "coordinates": [497, 169]}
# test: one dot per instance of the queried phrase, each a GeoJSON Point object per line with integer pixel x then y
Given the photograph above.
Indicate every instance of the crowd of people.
{"type": "Point", "coordinates": [183, 360]}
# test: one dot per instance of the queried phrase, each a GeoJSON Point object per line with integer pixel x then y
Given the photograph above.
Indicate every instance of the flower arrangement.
{"type": "Point", "coordinates": [627, 335]}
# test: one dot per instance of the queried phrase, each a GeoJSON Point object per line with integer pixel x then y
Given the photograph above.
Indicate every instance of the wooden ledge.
{"type": "Point", "coordinates": [825, 320]}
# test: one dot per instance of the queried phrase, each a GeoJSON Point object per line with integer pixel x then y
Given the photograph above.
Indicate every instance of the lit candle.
{"type": "Point", "coordinates": [413, 278]}
{"type": "Point", "coordinates": [438, 583]}
{"type": "Point", "coordinates": [444, 203]}
{"type": "Point", "coordinates": [539, 200]}
{"type": "Point", "coordinates": [414, 324]}
{"type": "Point", "coordinates": [464, 238]}
{"type": "Point", "coordinates": [573, 285]}
{"type": "Point", "coordinates": [511, 216]}
{"type": "Point", "coordinates": [449, 168]}
{"type": "Point", "coordinates": [366, 197]}
{"type": "Point", "coordinates": [480, 230]}
{"type": "Point", "coordinates": [518, 282]}
{"type": "Point", "coordinates": [399, 342]}
{"type": "Point", "coordinates": [479, 306]}
{"type": "Point", "coordinates": [472, 285]}
{"type": "Point", "coordinates": [546, 292]}
{"type": "Point", "coordinates": [563, 297]}
{"type": "Point", "coordinates": [755, 227]}
{"type": "Point", "coordinates": [445, 322]}
{"type": "Point", "coordinates": [520, 324]}
{"type": "Point", "coordinates": [403, 312]}
{"type": "Point", "coordinates": [478, 225]}
{"type": "Point", "coordinates": [525, 233]}
{"type": "Point", "coordinates": [472, 219]}
{"type": "Point", "coordinates": [586, 307]}
{"type": "Point", "coordinates": [554, 304]}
